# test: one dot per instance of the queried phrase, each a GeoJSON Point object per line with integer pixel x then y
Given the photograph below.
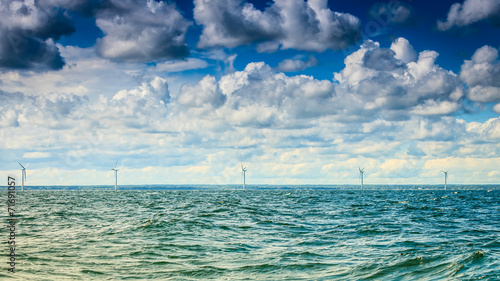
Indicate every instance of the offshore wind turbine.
{"type": "Point", "coordinates": [116, 174]}
{"type": "Point", "coordinates": [445, 178]}
{"type": "Point", "coordinates": [23, 174]}
{"type": "Point", "coordinates": [361, 172]}
{"type": "Point", "coordinates": [243, 174]}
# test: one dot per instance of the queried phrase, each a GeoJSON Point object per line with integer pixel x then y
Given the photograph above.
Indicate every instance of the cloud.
{"type": "Point", "coordinates": [269, 97]}
{"type": "Point", "coordinates": [290, 65]}
{"type": "Point", "coordinates": [377, 83]}
{"type": "Point", "coordinates": [469, 12]}
{"type": "Point", "coordinates": [393, 12]}
{"type": "Point", "coordinates": [85, 73]}
{"type": "Point", "coordinates": [432, 107]}
{"type": "Point", "coordinates": [482, 75]}
{"type": "Point", "coordinates": [496, 108]}
{"type": "Point", "coordinates": [141, 31]}
{"type": "Point", "coordinates": [205, 93]}
{"type": "Point", "coordinates": [404, 50]}
{"type": "Point", "coordinates": [389, 110]}
{"type": "Point", "coordinates": [489, 130]}
{"type": "Point", "coordinates": [388, 82]}
{"type": "Point", "coordinates": [60, 111]}
{"type": "Point", "coordinates": [182, 65]}
{"type": "Point", "coordinates": [137, 107]}
{"type": "Point", "coordinates": [45, 111]}
{"type": "Point", "coordinates": [231, 23]}
{"type": "Point", "coordinates": [134, 31]}
{"type": "Point", "coordinates": [36, 155]}
{"type": "Point", "coordinates": [28, 30]}
{"type": "Point", "coordinates": [293, 24]}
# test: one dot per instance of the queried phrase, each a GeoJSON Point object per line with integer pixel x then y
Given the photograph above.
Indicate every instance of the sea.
{"type": "Point", "coordinates": [257, 233]}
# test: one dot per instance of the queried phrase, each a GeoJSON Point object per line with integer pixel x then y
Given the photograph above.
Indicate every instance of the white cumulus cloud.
{"type": "Point", "coordinates": [470, 11]}
{"type": "Point", "coordinates": [298, 64]}
{"type": "Point", "coordinates": [482, 75]}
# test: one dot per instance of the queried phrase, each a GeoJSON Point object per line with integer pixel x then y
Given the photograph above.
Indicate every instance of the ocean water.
{"type": "Point", "coordinates": [261, 234]}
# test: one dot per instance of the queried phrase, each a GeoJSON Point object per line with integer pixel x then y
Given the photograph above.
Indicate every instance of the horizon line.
{"type": "Point", "coordinates": [264, 184]}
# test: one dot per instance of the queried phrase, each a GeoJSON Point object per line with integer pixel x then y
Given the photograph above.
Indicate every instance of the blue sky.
{"type": "Point", "coordinates": [302, 92]}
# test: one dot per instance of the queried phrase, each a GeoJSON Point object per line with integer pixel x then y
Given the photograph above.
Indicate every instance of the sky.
{"type": "Point", "coordinates": [300, 92]}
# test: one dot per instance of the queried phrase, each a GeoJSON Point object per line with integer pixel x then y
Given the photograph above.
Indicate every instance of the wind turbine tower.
{"type": "Point", "coordinates": [116, 174]}
{"type": "Point", "coordinates": [361, 172]}
{"type": "Point", "coordinates": [445, 178]}
{"type": "Point", "coordinates": [23, 175]}
{"type": "Point", "coordinates": [243, 174]}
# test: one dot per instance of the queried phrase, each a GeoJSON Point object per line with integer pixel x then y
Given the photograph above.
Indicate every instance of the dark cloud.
{"type": "Point", "coordinates": [232, 23]}
{"type": "Point", "coordinates": [134, 30]}
{"type": "Point", "coordinates": [141, 31]}
{"type": "Point", "coordinates": [382, 59]}
{"type": "Point", "coordinates": [293, 24]}
{"type": "Point", "coordinates": [88, 8]}
{"type": "Point", "coordinates": [394, 12]}
{"type": "Point", "coordinates": [19, 52]}
{"type": "Point", "coordinates": [27, 35]}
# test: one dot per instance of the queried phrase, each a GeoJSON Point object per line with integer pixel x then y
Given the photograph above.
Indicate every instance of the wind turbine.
{"type": "Point", "coordinates": [243, 172]}
{"type": "Point", "coordinates": [23, 174]}
{"type": "Point", "coordinates": [116, 174]}
{"type": "Point", "coordinates": [361, 172]}
{"type": "Point", "coordinates": [445, 178]}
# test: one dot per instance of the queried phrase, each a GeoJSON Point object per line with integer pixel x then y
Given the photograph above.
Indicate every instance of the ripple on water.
{"type": "Point", "coordinates": [259, 234]}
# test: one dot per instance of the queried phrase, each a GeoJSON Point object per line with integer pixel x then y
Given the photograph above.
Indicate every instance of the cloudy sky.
{"type": "Point", "coordinates": [301, 92]}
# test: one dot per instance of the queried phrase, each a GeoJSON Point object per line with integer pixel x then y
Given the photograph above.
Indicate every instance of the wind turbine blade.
{"type": "Point", "coordinates": [21, 165]}
{"type": "Point", "coordinates": [27, 165]}
{"type": "Point", "coordinates": [116, 163]}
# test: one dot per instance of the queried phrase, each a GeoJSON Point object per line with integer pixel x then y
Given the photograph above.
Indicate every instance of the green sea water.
{"type": "Point", "coordinates": [261, 234]}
